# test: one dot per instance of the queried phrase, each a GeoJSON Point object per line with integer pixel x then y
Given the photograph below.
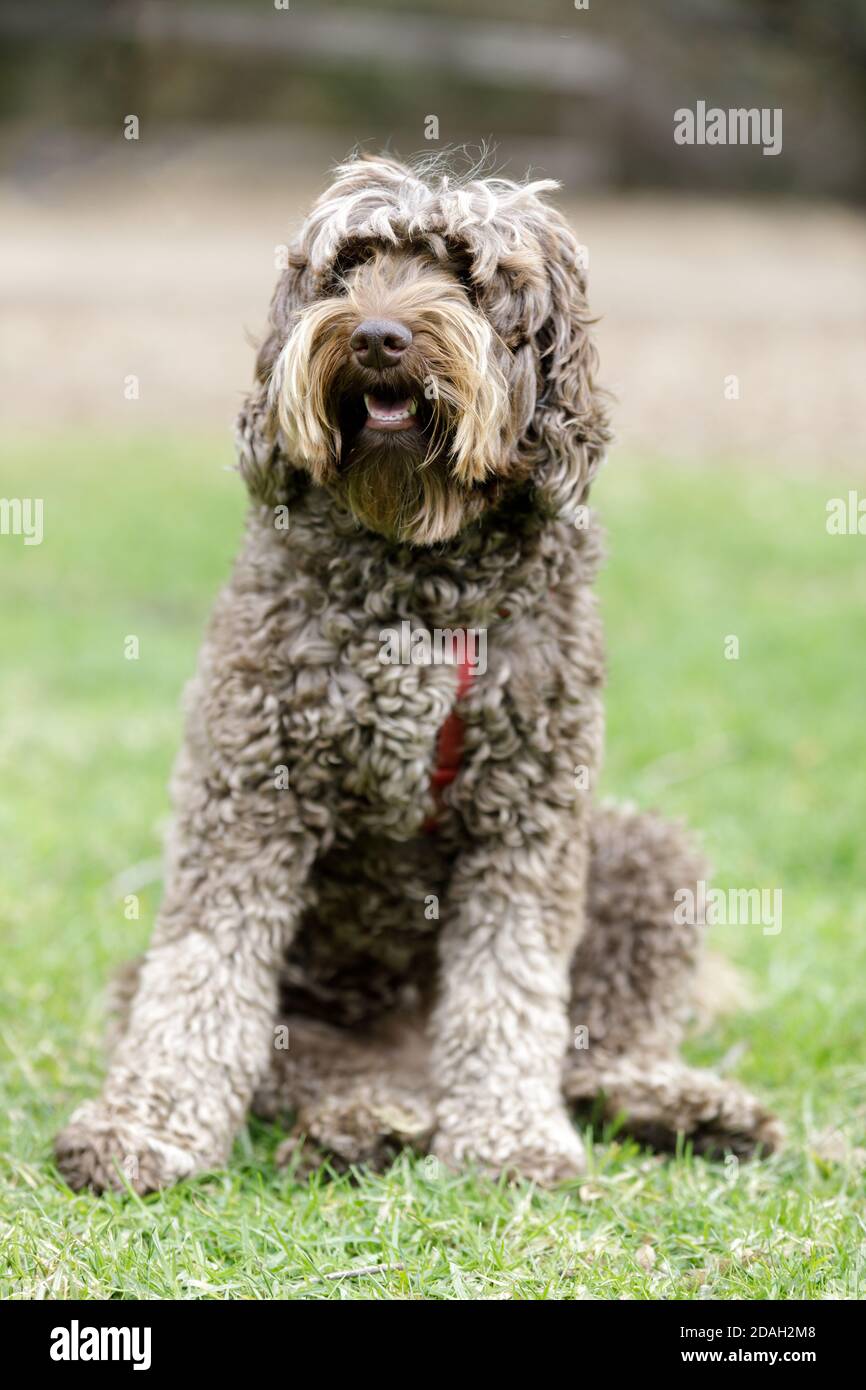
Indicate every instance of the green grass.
{"type": "Point", "coordinates": [764, 753]}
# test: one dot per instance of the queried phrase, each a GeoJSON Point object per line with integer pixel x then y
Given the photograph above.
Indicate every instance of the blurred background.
{"type": "Point", "coordinates": [155, 256]}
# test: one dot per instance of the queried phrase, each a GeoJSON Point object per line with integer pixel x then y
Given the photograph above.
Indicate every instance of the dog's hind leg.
{"type": "Point", "coordinates": [634, 980]}
{"type": "Point", "coordinates": [359, 1094]}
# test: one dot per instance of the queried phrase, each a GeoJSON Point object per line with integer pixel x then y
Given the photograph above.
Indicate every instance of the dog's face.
{"type": "Point", "coordinates": [429, 349]}
{"type": "Point", "coordinates": [392, 387]}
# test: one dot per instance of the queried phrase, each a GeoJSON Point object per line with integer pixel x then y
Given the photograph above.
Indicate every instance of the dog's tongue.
{"type": "Point", "coordinates": [389, 412]}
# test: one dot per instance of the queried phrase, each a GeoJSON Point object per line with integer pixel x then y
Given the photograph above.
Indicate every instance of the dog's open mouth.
{"type": "Point", "coordinates": [370, 413]}
{"type": "Point", "coordinates": [387, 413]}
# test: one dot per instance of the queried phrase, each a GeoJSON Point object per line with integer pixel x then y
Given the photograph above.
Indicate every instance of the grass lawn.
{"type": "Point", "coordinates": [764, 752]}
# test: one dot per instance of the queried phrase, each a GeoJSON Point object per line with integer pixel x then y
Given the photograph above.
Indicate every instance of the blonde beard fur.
{"type": "Point", "coordinates": [453, 364]}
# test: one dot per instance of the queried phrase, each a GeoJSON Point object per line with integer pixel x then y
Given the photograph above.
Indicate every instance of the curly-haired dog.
{"type": "Point", "coordinates": [398, 860]}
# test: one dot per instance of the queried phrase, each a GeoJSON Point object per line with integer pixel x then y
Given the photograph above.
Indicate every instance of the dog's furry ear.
{"type": "Point", "coordinates": [570, 431]}
{"type": "Point", "coordinates": [262, 460]}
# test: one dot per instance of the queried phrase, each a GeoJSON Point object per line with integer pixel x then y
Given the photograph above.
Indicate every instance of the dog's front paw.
{"type": "Point", "coordinates": [106, 1150]}
{"type": "Point", "coordinates": [546, 1150]}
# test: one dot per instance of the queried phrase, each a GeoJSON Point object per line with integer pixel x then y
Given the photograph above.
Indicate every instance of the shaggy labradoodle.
{"type": "Point", "coordinates": [390, 905]}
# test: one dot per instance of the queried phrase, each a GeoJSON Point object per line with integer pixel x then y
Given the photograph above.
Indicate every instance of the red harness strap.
{"type": "Point", "coordinates": [449, 744]}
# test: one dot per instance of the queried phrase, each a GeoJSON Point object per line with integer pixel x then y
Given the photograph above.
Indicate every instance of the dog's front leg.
{"type": "Point", "coordinates": [201, 1021]}
{"type": "Point", "coordinates": [500, 1026]}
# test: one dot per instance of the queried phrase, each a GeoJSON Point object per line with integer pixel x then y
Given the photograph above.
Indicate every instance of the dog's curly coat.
{"type": "Point", "coordinates": [434, 469]}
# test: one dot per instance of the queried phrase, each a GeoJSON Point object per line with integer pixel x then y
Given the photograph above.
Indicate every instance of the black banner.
{"type": "Point", "coordinates": [152, 1337]}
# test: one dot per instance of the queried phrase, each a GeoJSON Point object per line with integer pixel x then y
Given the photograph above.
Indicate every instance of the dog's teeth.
{"type": "Point", "coordinates": [377, 410]}
{"type": "Point", "coordinates": [413, 406]}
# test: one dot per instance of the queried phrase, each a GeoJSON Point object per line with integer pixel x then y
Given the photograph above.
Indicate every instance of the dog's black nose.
{"type": "Point", "coordinates": [380, 342]}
